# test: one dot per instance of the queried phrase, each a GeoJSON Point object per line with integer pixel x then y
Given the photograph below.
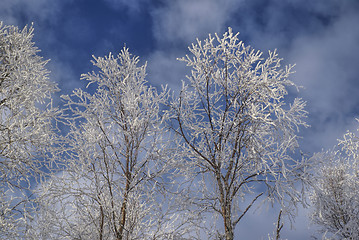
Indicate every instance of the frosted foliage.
{"type": "Point", "coordinates": [335, 196]}
{"type": "Point", "coordinates": [237, 132]}
{"type": "Point", "coordinates": [112, 186]}
{"type": "Point", "coordinates": [25, 123]}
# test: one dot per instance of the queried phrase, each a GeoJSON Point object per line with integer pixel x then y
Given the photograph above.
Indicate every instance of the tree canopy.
{"type": "Point", "coordinates": [138, 162]}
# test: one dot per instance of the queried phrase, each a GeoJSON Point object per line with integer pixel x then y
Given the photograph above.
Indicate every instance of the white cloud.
{"type": "Point", "coordinates": [164, 68]}
{"type": "Point", "coordinates": [327, 68]}
{"type": "Point", "coordinates": [177, 24]}
{"type": "Point", "coordinates": [185, 20]}
{"type": "Point", "coordinates": [13, 11]}
{"type": "Point", "coordinates": [322, 39]}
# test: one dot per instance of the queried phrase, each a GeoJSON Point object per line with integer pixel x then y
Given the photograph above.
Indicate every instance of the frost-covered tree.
{"type": "Point", "coordinates": [26, 132]}
{"type": "Point", "coordinates": [335, 195]}
{"type": "Point", "coordinates": [113, 184]}
{"type": "Point", "coordinates": [237, 132]}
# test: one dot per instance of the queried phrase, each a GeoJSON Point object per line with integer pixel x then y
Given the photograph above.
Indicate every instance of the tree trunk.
{"type": "Point", "coordinates": [124, 210]}
{"type": "Point", "coordinates": [228, 228]}
{"type": "Point", "coordinates": [226, 207]}
{"type": "Point", "coordinates": [102, 217]}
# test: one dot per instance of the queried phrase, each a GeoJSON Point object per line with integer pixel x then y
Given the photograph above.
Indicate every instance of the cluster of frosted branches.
{"type": "Point", "coordinates": [237, 133]}
{"type": "Point", "coordinates": [136, 165]}
{"type": "Point", "coordinates": [335, 190]}
{"type": "Point", "coordinates": [26, 130]}
{"type": "Point", "coordinates": [113, 185]}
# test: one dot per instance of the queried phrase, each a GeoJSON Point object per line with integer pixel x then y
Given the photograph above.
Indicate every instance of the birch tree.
{"type": "Point", "coordinates": [335, 190]}
{"type": "Point", "coordinates": [112, 187]}
{"type": "Point", "coordinates": [26, 131]}
{"type": "Point", "coordinates": [238, 135]}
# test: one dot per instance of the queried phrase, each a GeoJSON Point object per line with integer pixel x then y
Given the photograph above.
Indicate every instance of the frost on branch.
{"type": "Point", "coordinates": [335, 190]}
{"type": "Point", "coordinates": [238, 135]}
{"type": "Point", "coordinates": [26, 130]}
{"type": "Point", "coordinates": [112, 187]}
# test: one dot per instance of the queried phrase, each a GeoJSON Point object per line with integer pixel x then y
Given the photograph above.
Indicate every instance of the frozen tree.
{"type": "Point", "coordinates": [114, 183]}
{"type": "Point", "coordinates": [26, 131]}
{"type": "Point", "coordinates": [335, 196]}
{"type": "Point", "coordinates": [238, 135]}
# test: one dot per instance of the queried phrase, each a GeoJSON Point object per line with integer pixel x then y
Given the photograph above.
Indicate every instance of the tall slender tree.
{"type": "Point", "coordinates": [335, 190]}
{"type": "Point", "coordinates": [112, 187]}
{"type": "Point", "coordinates": [237, 132]}
{"type": "Point", "coordinates": [26, 130]}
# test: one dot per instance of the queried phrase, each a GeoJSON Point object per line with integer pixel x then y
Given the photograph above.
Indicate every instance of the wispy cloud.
{"type": "Point", "coordinates": [15, 11]}
{"type": "Point", "coordinates": [165, 69]}
{"type": "Point", "coordinates": [177, 24]}
{"type": "Point", "coordinates": [327, 67]}
{"type": "Point", "coordinates": [321, 38]}
{"type": "Point", "coordinates": [182, 21]}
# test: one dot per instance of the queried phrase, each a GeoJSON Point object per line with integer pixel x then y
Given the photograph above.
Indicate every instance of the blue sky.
{"type": "Point", "coordinates": [321, 37]}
